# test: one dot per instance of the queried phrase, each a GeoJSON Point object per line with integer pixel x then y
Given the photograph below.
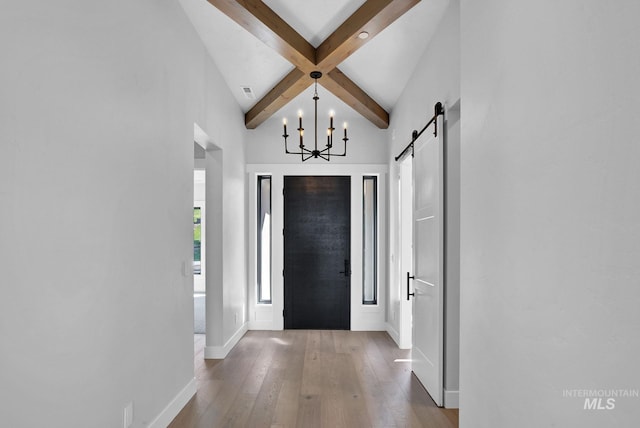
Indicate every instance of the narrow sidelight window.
{"type": "Point", "coordinates": [370, 240]}
{"type": "Point", "coordinates": [264, 239]}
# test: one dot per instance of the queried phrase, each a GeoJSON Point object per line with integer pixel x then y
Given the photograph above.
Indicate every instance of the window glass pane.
{"type": "Point", "coordinates": [369, 240]}
{"type": "Point", "coordinates": [264, 239]}
{"type": "Point", "coordinates": [197, 240]}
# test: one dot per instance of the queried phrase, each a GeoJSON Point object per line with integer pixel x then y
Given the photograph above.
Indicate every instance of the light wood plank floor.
{"type": "Point", "coordinates": [310, 378]}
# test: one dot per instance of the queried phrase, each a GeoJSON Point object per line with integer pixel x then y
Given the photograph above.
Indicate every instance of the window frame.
{"type": "Point", "coordinates": [259, 243]}
{"type": "Point", "coordinates": [375, 238]}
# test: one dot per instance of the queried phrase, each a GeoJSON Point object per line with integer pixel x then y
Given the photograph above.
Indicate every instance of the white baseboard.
{"type": "Point", "coordinates": [219, 352]}
{"type": "Point", "coordinates": [261, 325]}
{"type": "Point", "coordinates": [173, 408]}
{"type": "Point", "coordinates": [451, 399]}
{"type": "Point", "coordinates": [368, 326]}
{"type": "Point", "coordinates": [393, 333]}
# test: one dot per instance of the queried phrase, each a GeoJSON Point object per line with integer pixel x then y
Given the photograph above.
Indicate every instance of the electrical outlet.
{"type": "Point", "coordinates": [128, 415]}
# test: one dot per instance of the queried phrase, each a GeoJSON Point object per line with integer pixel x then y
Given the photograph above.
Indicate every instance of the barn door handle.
{"type": "Point", "coordinates": [408, 279]}
{"type": "Point", "coordinates": [347, 268]}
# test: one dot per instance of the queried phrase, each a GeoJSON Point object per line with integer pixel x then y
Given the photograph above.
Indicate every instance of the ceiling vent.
{"type": "Point", "coordinates": [248, 92]}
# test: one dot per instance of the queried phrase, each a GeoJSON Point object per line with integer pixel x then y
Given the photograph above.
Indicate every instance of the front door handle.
{"type": "Point", "coordinates": [347, 268]}
{"type": "Point", "coordinates": [409, 278]}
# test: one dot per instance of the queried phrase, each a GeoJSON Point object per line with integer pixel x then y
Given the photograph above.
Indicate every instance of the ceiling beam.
{"type": "Point", "coordinates": [258, 19]}
{"type": "Point", "coordinates": [373, 17]}
{"type": "Point", "coordinates": [351, 94]}
{"type": "Point", "coordinates": [287, 89]}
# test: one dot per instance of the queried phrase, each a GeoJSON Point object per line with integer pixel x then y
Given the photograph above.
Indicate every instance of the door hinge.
{"type": "Point", "coordinates": [282, 272]}
{"type": "Point", "coordinates": [283, 313]}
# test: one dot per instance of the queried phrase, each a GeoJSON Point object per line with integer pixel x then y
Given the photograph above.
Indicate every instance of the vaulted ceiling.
{"type": "Point", "coordinates": [271, 46]}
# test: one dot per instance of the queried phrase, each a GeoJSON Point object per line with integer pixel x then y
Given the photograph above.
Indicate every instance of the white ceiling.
{"type": "Point", "coordinates": [381, 67]}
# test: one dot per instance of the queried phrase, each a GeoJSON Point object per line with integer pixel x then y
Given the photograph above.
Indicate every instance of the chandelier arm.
{"type": "Point", "coordinates": [344, 153]}
{"type": "Point", "coordinates": [303, 150]}
{"type": "Point", "coordinates": [286, 147]}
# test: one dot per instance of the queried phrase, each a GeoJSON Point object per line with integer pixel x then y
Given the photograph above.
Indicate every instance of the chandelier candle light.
{"type": "Point", "coordinates": [304, 152]}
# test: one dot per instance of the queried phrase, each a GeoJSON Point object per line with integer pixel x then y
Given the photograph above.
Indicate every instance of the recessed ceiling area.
{"type": "Point", "coordinates": [314, 20]}
{"type": "Point", "coordinates": [381, 67]}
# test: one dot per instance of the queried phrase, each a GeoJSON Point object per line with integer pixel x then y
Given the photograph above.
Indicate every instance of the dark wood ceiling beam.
{"type": "Point", "coordinates": [287, 89]}
{"type": "Point", "coordinates": [258, 19]}
{"type": "Point", "coordinates": [373, 17]}
{"type": "Point", "coordinates": [351, 94]}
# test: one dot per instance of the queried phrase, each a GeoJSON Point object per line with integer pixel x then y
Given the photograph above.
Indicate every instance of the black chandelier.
{"type": "Point", "coordinates": [304, 152]}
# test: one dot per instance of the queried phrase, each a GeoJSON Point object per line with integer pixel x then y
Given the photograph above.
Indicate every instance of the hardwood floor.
{"type": "Point", "coordinates": [310, 378]}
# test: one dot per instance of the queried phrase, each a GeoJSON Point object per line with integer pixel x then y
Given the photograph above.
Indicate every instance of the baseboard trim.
{"type": "Point", "coordinates": [393, 333]}
{"type": "Point", "coordinates": [219, 352]}
{"type": "Point", "coordinates": [451, 399]}
{"type": "Point", "coordinates": [261, 325]}
{"type": "Point", "coordinates": [173, 408]}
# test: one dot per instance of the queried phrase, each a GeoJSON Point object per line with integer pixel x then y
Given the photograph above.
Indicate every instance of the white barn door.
{"type": "Point", "coordinates": [428, 261]}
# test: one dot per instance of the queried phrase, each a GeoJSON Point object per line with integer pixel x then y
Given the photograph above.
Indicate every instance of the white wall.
{"type": "Point", "coordinates": [436, 79]}
{"type": "Point", "coordinates": [97, 107]}
{"type": "Point", "coordinates": [550, 208]}
{"type": "Point", "coordinates": [225, 133]}
{"type": "Point", "coordinates": [199, 186]}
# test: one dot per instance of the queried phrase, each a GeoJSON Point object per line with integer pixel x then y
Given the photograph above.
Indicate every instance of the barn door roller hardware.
{"type": "Point", "coordinates": [438, 110]}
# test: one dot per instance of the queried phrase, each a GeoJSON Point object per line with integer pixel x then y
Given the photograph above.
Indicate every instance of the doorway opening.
{"type": "Point", "coordinates": [199, 242]}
